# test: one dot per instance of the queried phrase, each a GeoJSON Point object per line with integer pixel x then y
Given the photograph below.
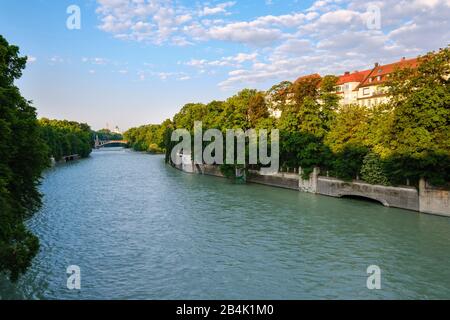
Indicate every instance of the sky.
{"type": "Point", "coordinates": [136, 62]}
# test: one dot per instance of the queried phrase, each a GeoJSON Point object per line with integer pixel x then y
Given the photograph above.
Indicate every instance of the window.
{"type": "Point", "coordinates": [379, 78]}
{"type": "Point", "coordinates": [366, 91]}
{"type": "Point", "coordinates": [370, 79]}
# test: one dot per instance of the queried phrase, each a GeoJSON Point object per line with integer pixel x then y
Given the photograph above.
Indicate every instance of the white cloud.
{"type": "Point", "coordinates": [95, 61]}
{"type": "Point", "coordinates": [331, 36]}
{"type": "Point", "coordinates": [218, 9]}
{"type": "Point", "coordinates": [31, 59]}
{"type": "Point", "coordinates": [243, 32]}
{"type": "Point", "coordinates": [56, 60]}
{"type": "Point", "coordinates": [141, 20]}
{"type": "Point", "coordinates": [230, 61]}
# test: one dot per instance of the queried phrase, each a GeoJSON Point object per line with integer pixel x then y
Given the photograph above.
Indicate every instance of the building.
{"type": "Point", "coordinates": [367, 88]}
{"type": "Point", "coordinates": [372, 91]}
{"type": "Point", "coordinates": [347, 86]}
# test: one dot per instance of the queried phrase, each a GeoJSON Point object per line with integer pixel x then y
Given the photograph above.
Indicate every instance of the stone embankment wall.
{"type": "Point", "coordinates": [281, 180]}
{"type": "Point", "coordinates": [427, 199]}
{"type": "Point", "coordinates": [434, 200]}
{"type": "Point", "coordinates": [399, 197]}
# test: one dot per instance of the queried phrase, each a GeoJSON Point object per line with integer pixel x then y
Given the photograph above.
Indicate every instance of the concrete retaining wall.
{"type": "Point", "coordinates": [434, 200]}
{"type": "Point", "coordinates": [399, 197]}
{"type": "Point", "coordinates": [427, 199]}
{"type": "Point", "coordinates": [281, 180]}
{"type": "Point", "coordinates": [211, 170]}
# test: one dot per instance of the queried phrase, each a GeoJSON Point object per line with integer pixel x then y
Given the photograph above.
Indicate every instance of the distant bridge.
{"type": "Point", "coordinates": [103, 143]}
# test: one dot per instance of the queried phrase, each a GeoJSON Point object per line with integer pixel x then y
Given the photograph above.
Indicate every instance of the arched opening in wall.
{"type": "Point", "coordinates": [365, 199]}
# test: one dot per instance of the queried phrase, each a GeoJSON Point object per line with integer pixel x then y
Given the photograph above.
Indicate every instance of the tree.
{"type": "Point", "coordinates": [310, 118]}
{"type": "Point", "coordinates": [187, 116]}
{"type": "Point", "coordinates": [257, 109]}
{"type": "Point", "coordinates": [65, 138]}
{"type": "Point", "coordinates": [23, 156]}
{"type": "Point", "coordinates": [278, 96]}
{"type": "Point", "coordinates": [349, 128]}
{"type": "Point", "coordinates": [372, 170]}
{"type": "Point", "coordinates": [299, 149]}
{"type": "Point", "coordinates": [306, 87]}
{"type": "Point", "coordinates": [329, 100]}
{"type": "Point", "coordinates": [420, 128]}
{"type": "Point", "coordinates": [348, 162]}
{"type": "Point", "coordinates": [235, 112]}
{"type": "Point", "coordinates": [150, 138]}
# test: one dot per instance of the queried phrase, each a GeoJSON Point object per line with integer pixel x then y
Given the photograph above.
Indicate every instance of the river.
{"type": "Point", "coordinates": [139, 229]}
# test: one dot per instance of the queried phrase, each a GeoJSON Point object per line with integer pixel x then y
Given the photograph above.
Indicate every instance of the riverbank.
{"type": "Point", "coordinates": [426, 199]}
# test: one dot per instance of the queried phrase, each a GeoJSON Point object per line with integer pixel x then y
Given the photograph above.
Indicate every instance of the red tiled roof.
{"type": "Point", "coordinates": [357, 76]}
{"type": "Point", "coordinates": [383, 70]}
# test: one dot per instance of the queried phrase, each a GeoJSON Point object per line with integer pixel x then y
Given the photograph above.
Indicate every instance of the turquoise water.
{"type": "Point", "coordinates": [139, 229]}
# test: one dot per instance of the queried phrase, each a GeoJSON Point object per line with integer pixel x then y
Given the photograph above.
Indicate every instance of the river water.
{"type": "Point", "coordinates": [139, 229]}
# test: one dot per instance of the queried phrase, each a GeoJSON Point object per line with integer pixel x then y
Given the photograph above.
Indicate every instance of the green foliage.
{"type": "Point", "coordinates": [348, 162]}
{"type": "Point", "coordinates": [306, 87]}
{"type": "Point", "coordinates": [419, 137]}
{"type": "Point", "coordinates": [107, 135]}
{"type": "Point", "coordinates": [228, 170]}
{"type": "Point", "coordinates": [65, 138]}
{"type": "Point", "coordinates": [257, 109]}
{"type": "Point", "coordinates": [304, 150]}
{"type": "Point", "coordinates": [190, 113]}
{"type": "Point", "coordinates": [23, 156]}
{"type": "Point", "coordinates": [278, 96]}
{"type": "Point", "coordinates": [149, 138]}
{"type": "Point", "coordinates": [235, 113]}
{"type": "Point", "coordinates": [349, 128]}
{"type": "Point", "coordinates": [435, 169]}
{"type": "Point", "coordinates": [372, 170]}
{"type": "Point", "coordinates": [310, 118]}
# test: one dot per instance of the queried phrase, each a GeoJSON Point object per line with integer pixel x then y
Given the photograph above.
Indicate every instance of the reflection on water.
{"type": "Point", "coordinates": [141, 230]}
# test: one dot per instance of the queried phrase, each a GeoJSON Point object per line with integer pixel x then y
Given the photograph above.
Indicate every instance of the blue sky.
{"type": "Point", "coordinates": [135, 62]}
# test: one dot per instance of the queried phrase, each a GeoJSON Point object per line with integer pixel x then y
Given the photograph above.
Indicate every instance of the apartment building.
{"type": "Point", "coordinates": [347, 86]}
{"type": "Point", "coordinates": [372, 90]}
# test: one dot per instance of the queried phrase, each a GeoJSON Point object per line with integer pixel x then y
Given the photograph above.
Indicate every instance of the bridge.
{"type": "Point", "coordinates": [103, 143]}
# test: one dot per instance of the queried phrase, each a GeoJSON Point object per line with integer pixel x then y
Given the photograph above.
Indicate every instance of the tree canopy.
{"type": "Point", "coordinates": [65, 138]}
{"type": "Point", "coordinates": [23, 156]}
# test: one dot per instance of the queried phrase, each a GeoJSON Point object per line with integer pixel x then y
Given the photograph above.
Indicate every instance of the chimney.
{"type": "Point", "coordinates": [347, 73]}
{"type": "Point", "coordinates": [377, 64]}
{"type": "Point", "coordinates": [403, 58]}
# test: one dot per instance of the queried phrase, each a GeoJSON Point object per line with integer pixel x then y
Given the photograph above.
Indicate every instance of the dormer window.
{"type": "Point", "coordinates": [379, 78]}
{"type": "Point", "coordinates": [370, 79]}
